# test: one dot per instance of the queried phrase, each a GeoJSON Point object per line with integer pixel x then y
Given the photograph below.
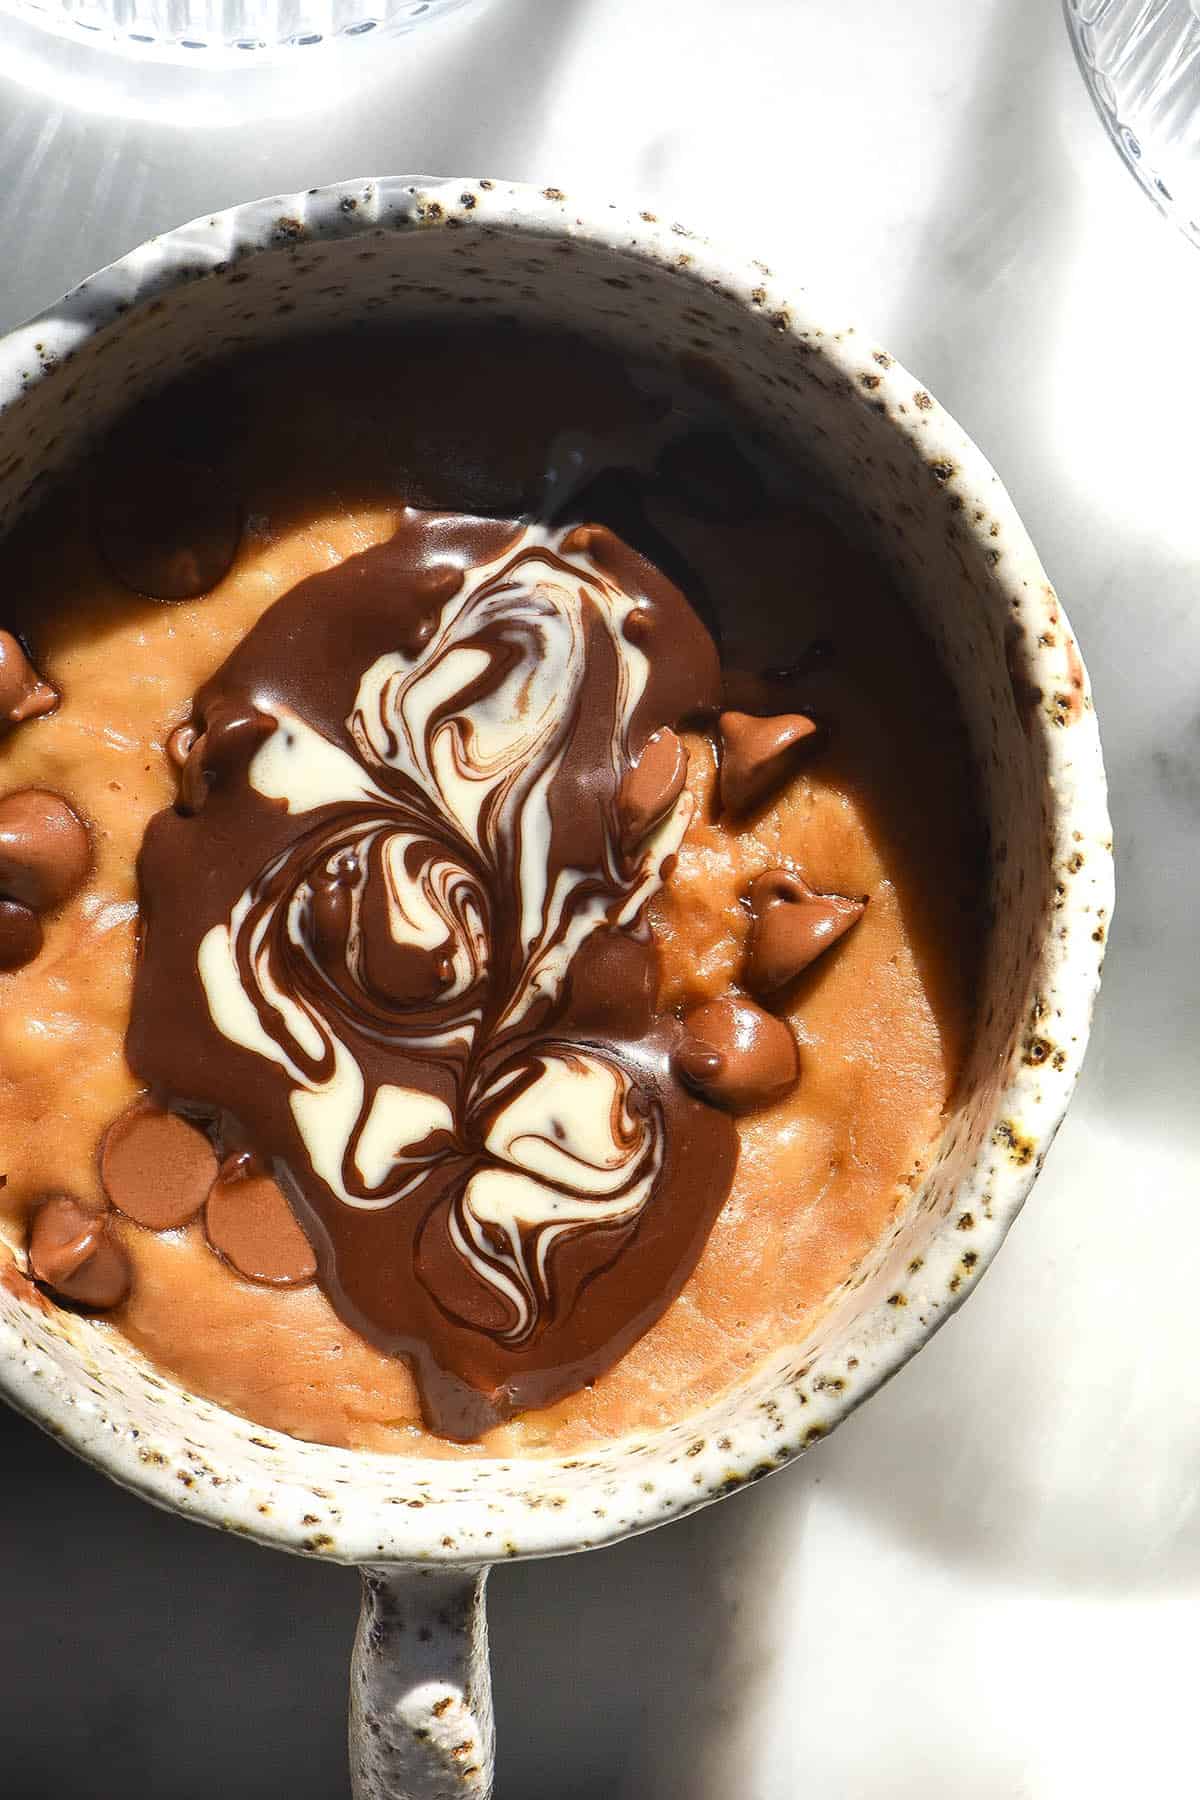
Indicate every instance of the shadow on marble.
{"type": "Point", "coordinates": [141, 1656]}
{"type": "Point", "coordinates": [650, 1654]}
{"type": "Point", "coordinates": [438, 109]}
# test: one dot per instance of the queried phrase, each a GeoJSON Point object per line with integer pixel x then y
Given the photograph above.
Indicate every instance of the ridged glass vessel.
{"type": "Point", "coordinates": [224, 30]}
{"type": "Point", "coordinates": [1141, 62]}
{"type": "Point", "coordinates": [194, 64]}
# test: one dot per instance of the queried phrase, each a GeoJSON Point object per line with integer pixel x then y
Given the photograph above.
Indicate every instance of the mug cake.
{"type": "Point", "coordinates": [490, 891]}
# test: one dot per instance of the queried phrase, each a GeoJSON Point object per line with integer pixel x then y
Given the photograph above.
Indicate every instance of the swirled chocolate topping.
{"type": "Point", "coordinates": [393, 944]}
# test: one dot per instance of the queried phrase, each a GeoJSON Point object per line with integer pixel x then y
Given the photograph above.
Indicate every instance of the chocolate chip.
{"type": "Point", "coordinates": [430, 589]}
{"type": "Point", "coordinates": [45, 852]}
{"type": "Point", "coordinates": [20, 934]}
{"type": "Point", "coordinates": [23, 693]}
{"type": "Point", "coordinates": [697, 1062]}
{"type": "Point", "coordinates": [737, 1055]}
{"type": "Point", "coordinates": [651, 787]}
{"type": "Point", "coordinates": [233, 731]}
{"type": "Point", "coordinates": [167, 527]}
{"type": "Point", "coordinates": [330, 917]}
{"type": "Point", "coordinates": [180, 743]}
{"type": "Point", "coordinates": [611, 555]}
{"type": "Point", "coordinates": [757, 755]}
{"type": "Point", "coordinates": [585, 540]}
{"type": "Point", "coordinates": [72, 1249]}
{"type": "Point", "coordinates": [251, 1225]}
{"type": "Point", "coordinates": [612, 985]}
{"type": "Point", "coordinates": [156, 1167]}
{"type": "Point", "coordinates": [793, 925]}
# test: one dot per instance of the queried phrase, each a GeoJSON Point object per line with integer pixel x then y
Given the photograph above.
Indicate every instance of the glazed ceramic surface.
{"type": "Point", "coordinates": [892, 461]}
{"type": "Point", "coordinates": [880, 442]}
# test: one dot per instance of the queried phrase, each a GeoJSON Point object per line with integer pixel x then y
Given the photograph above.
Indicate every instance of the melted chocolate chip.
{"type": "Point", "coordinates": [435, 585]}
{"type": "Point", "coordinates": [793, 925]}
{"type": "Point", "coordinates": [251, 1225]}
{"type": "Point", "coordinates": [23, 693]}
{"type": "Point", "coordinates": [737, 1055]}
{"type": "Point", "coordinates": [45, 851]}
{"type": "Point", "coordinates": [233, 730]}
{"type": "Point", "coordinates": [181, 742]}
{"type": "Point", "coordinates": [20, 934]}
{"type": "Point", "coordinates": [613, 985]}
{"type": "Point", "coordinates": [651, 787]}
{"type": "Point", "coordinates": [758, 755]}
{"type": "Point", "coordinates": [73, 1251]}
{"type": "Point", "coordinates": [597, 541]}
{"type": "Point", "coordinates": [330, 917]}
{"type": "Point", "coordinates": [167, 527]}
{"type": "Point", "coordinates": [156, 1168]}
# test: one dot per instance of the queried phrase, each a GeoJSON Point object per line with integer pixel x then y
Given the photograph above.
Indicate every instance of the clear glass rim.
{"type": "Point", "coordinates": [1136, 155]}
{"type": "Point", "coordinates": [210, 52]}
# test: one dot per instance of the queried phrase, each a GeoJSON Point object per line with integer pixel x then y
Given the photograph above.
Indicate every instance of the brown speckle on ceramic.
{"type": "Point", "coordinates": [1019, 1148]}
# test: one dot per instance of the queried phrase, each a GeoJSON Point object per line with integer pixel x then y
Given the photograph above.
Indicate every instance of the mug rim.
{"type": "Point", "coordinates": [1026, 1115]}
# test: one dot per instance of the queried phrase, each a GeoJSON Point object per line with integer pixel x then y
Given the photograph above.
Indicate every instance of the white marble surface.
{"type": "Point", "coordinates": [985, 1585]}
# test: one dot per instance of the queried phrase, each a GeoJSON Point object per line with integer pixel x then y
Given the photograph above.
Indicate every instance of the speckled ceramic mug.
{"type": "Point", "coordinates": [424, 1531]}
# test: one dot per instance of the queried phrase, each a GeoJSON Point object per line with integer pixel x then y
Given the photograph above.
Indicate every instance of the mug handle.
{"type": "Point", "coordinates": [420, 1687]}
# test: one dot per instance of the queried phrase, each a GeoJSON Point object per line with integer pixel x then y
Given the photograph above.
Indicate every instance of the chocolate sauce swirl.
{"type": "Point", "coordinates": [393, 942]}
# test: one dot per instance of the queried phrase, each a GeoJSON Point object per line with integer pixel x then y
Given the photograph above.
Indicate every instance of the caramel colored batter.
{"type": "Point", "coordinates": [885, 811]}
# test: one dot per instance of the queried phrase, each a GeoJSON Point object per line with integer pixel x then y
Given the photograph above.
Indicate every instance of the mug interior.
{"type": "Point", "coordinates": [910, 484]}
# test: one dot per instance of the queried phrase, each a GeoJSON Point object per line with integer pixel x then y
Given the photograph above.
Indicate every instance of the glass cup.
{"type": "Point", "coordinates": [202, 62]}
{"type": "Point", "coordinates": [1141, 62]}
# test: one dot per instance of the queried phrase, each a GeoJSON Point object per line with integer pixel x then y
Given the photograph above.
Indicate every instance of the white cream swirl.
{"type": "Point", "coordinates": [567, 1151]}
